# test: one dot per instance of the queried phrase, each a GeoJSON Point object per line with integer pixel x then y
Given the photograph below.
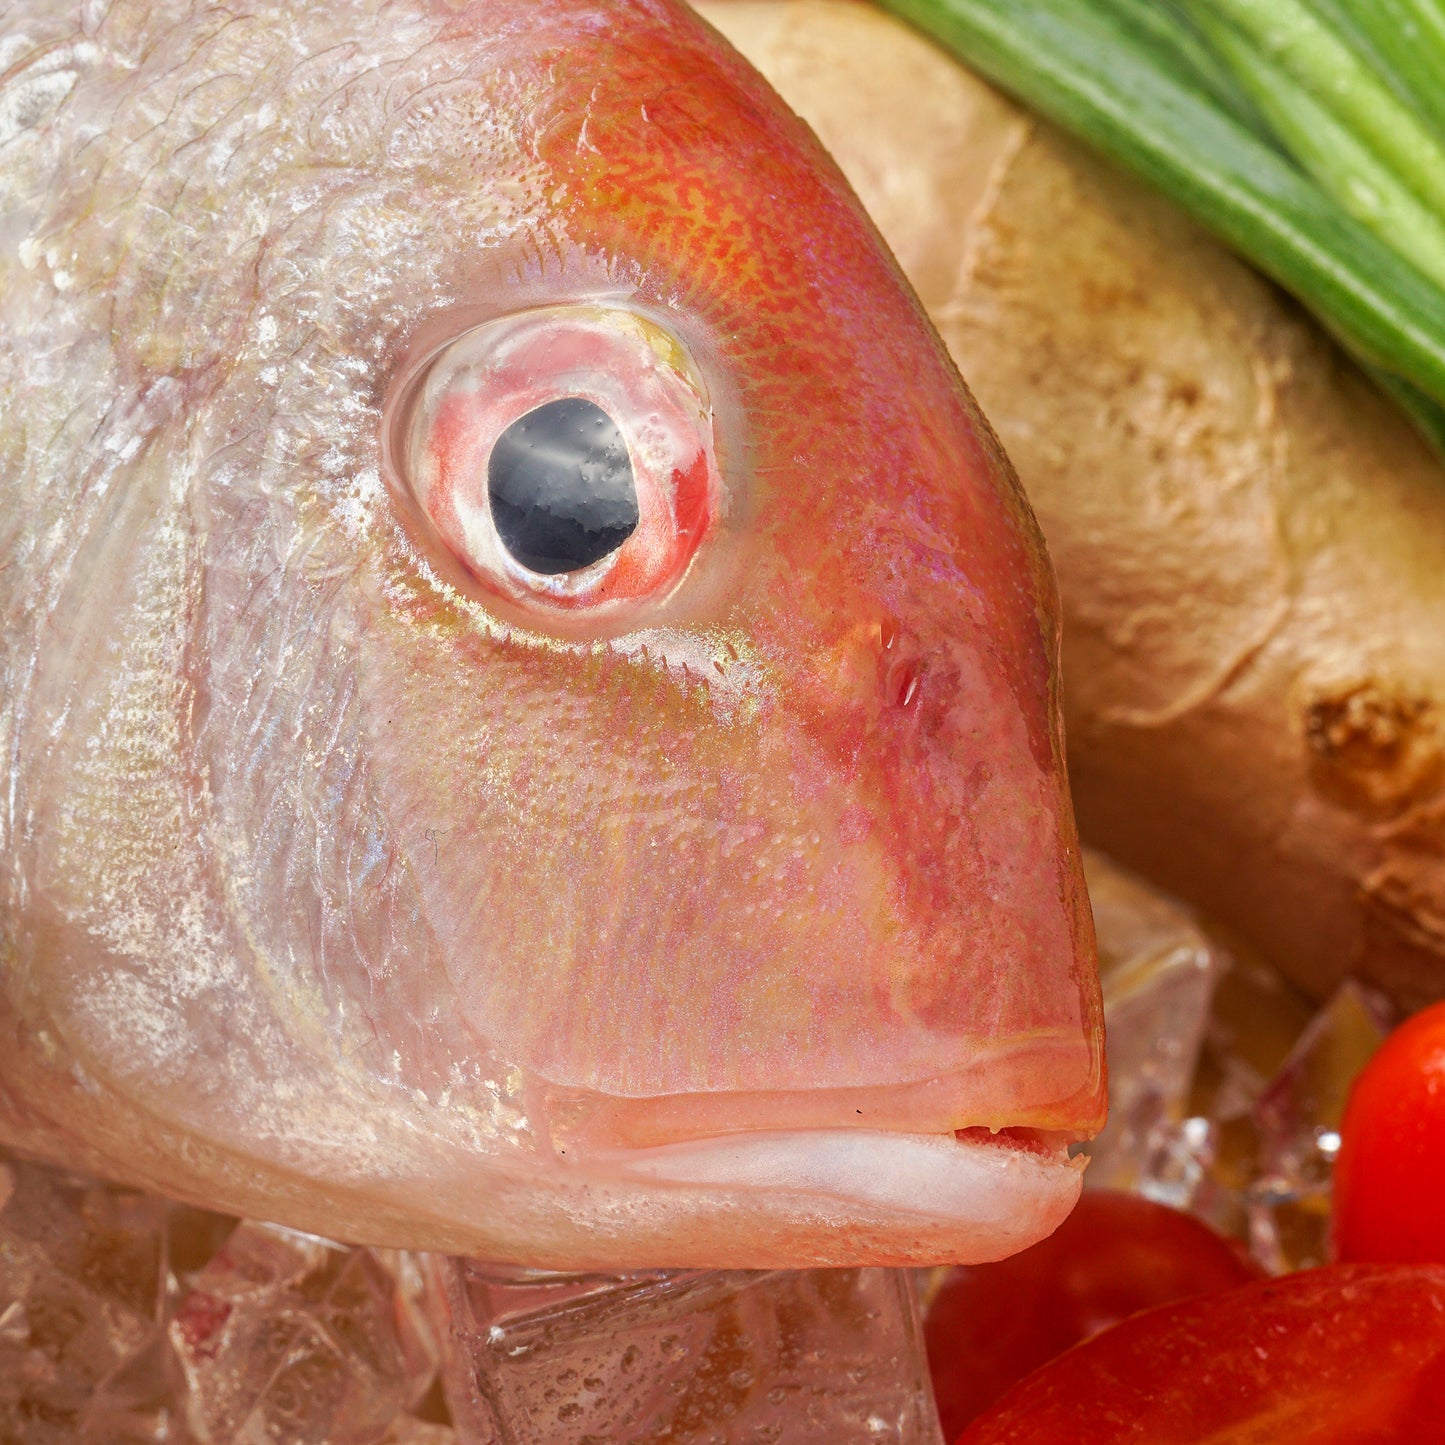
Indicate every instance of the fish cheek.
{"type": "Point", "coordinates": [912, 655]}
{"type": "Point", "coordinates": [638, 896]}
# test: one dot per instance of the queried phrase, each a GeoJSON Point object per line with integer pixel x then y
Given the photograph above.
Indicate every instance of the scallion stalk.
{"type": "Point", "coordinates": [1363, 184]}
{"type": "Point", "coordinates": [1404, 41]}
{"type": "Point", "coordinates": [1288, 35]}
{"type": "Point", "coordinates": [1293, 128]}
{"type": "Point", "coordinates": [1173, 41]}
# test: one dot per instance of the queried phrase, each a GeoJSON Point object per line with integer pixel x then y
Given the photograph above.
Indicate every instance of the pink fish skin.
{"type": "Point", "coordinates": [714, 900]}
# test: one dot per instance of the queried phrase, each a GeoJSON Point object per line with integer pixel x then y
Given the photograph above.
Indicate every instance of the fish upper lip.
{"type": "Point", "coordinates": [1034, 1086]}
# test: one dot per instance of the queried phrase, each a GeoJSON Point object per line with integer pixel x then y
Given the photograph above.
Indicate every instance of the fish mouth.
{"type": "Point", "coordinates": [959, 1168]}
{"type": "Point", "coordinates": [1039, 1086]}
{"type": "Point", "coordinates": [968, 1196]}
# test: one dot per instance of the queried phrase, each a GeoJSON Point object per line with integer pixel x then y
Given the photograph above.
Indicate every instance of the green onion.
{"type": "Point", "coordinates": [1309, 134]}
{"type": "Point", "coordinates": [1362, 183]}
{"type": "Point", "coordinates": [1404, 41]}
{"type": "Point", "coordinates": [1176, 43]}
{"type": "Point", "coordinates": [1318, 60]}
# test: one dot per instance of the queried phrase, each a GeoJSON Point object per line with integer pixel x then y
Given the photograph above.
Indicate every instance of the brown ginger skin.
{"type": "Point", "coordinates": [1250, 541]}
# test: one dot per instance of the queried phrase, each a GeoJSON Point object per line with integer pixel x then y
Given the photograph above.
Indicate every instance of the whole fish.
{"type": "Point", "coordinates": [529, 688]}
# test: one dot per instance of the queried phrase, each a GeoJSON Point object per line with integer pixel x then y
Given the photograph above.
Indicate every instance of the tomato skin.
{"type": "Point", "coordinates": [1116, 1254]}
{"type": "Point", "coordinates": [1389, 1181]}
{"type": "Point", "coordinates": [1342, 1355]}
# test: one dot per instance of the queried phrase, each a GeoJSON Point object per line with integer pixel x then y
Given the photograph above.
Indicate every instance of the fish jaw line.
{"type": "Point", "coordinates": [919, 1198]}
{"type": "Point", "coordinates": [793, 1199]}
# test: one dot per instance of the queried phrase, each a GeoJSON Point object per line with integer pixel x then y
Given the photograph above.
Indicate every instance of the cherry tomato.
{"type": "Point", "coordinates": [1116, 1254]}
{"type": "Point", "coordinates": [1389, 1185]}
{"type": "Point", "coordinates": [1344, 1355]}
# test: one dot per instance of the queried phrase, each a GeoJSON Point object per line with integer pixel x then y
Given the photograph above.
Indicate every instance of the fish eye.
{"type": "Point", "coordinates": [564, 456]}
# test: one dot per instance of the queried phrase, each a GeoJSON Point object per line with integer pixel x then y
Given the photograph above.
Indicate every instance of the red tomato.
{"type": "Point", "coordinates": [1116, 1254]}
{"type": "Point", "coordinates": [1344, 1355]}
{"type": "Point", "coordinates": [1389, 1186]}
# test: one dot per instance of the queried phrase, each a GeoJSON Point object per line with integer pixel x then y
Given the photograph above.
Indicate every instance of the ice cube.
{"type": "Point", "coordinates": [1159, 972]}
{"type": "Point", "coordinates": [83, 1287]}
{"type": "Point", "coordinates": [1297, 1119]}
{"type": "Point", "coordinates": [688, 1356]}
{"type": "Point", "coordinates": [294, 1340]}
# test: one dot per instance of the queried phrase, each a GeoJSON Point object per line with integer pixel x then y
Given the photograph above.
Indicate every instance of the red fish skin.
{"type": "Point", "coordinates": [873, 527]}
{"type": "Point", "coordinates": [787, 846]}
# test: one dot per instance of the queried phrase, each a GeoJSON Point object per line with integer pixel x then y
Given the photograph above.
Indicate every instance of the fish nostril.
{"type": "Point", "coordinates": [900, 672]}
{"type": "Point", "coordinates": [902, 678]}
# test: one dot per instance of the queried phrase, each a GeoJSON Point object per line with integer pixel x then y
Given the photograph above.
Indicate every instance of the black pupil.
{"type": "Point", "coordinates": [561, 486]}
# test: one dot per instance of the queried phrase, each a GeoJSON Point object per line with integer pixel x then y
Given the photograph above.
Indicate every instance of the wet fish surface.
{"type": "Point", "coordinates": [529, 688]}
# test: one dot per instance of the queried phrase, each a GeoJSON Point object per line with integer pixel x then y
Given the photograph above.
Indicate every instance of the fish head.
{"type": "Point", "coordinates": [542, 737]}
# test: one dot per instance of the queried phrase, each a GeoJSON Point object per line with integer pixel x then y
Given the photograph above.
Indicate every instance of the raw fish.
{"type": "Point", "coordinates": [529, 688]}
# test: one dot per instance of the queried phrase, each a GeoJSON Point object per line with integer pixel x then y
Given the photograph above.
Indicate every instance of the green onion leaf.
{"type": "Point", "coordinates": [1364, 186]}
{"type": "Point", "coordinates": [1131, 85]}
{"type": "Point", "coordinates": [1177, 44]}
{"type": "Point", "coordinates": [1404, 42]}
{"type": "Point", "coordinates": [1319, 62]}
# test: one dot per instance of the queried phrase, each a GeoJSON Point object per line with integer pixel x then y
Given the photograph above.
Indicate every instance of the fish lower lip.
{"type": "Point", "coordinates": [1014, 1194]}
